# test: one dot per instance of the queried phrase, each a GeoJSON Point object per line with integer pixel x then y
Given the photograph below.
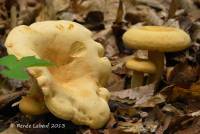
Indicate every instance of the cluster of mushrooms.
{"type": "Point", "coordinates": [157, 40]}
{"type": "Point", "coordinates": [73, 89]}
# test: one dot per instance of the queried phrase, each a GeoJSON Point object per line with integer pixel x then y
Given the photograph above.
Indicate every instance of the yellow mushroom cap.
{"type": "Point", "coordinates": [156, 38]}
{"type": "Point", "coordinates": [30, 106]}
{"type": "Point", "coordinates": [141, 65]}
{"type": "Point", "coordinates": [73, 89]}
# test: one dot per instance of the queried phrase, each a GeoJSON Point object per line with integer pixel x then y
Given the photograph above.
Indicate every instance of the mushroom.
{"type": "Point", "coordinates": [157, 40]}
{"type": "Point", "coordinates": [33, 103]}
{"type": "Point", "coordinates": [73, 89]}
{"type": "Point", "coordinates": [139, 67]}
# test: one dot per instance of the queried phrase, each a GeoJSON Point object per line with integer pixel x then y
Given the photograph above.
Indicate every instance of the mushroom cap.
{"type": "Point", "coordinates": [156, 38]}
{"type": "Point", "coordinates": [141, 65]}
{"type": "Point", "coordinates": [31, 106]}
{"type": "Point", "coordinates": [73, 88]}
{"type": "Point", "coordinates": [33, 103]}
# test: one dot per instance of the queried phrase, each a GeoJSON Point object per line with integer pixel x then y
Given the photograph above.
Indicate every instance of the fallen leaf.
{"type": "Point", "coordinates": [136, 93]}
{"type": "Point", "coordinates": [140, 13]}
{"type": "Point", "coordinates": [172, 9]}
{"type": "Point", "coordinates": [183, 74]}
{"type": "Point", "coordinates": [11, 130]}
{"type": "Point", "coordinates": [60, 5]}
{"type": "Point", "coordinates": [171, 109]}
{"type": "Point", "coordinates": [115, 83]}
{"type": "Point", "coordinates": [110, 15]}
{"type": "Point", "coordinates": [130, 127]}
{"type": "Point", "coordinates": [194, 114]}
{"type": "Point", "coordinates": [112, 131]}
{"type": "Point", "coordinates": [127, 111]}
{"type": "Point", "coordinates": [5, 99]}
{"type": "Point", "coordinates": [191, 127]}
{"type": "Point", "coordinates": [164, 125]}
{"type": "Point", "coordinates": [152, 3]}
{"type": "Point", "coordinates": [90, 131]}
{"type": "Point", "coordinates": [193, 105]}
{"type": "Point", "coordinates": [150, 102]}
{"type": "Point", "coordinates": [151, 125]}
{"type": "Point", "coordinates": [192, 92]}
{"type": "Point", "coordinates": [28, 11]}
{"type": "Point", "coordinates": [120, 13]}
{"type": "Point", "coordinates": [107, 39]}
{"type": "Point", "coordinates": [112, 122]}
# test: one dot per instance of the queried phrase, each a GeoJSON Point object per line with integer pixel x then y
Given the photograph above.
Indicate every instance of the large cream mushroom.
{"type": "Point", "coordinates": [73, 89]}
{"type": "Point", "coordinates": [157, 40]}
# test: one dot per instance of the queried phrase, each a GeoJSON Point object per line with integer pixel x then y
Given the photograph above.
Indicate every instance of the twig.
{"type": "Point", "coordinates": [13, 12]}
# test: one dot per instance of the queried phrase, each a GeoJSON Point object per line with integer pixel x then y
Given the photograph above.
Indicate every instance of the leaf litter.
{"type": "Point", "coordinates": [168, 106]}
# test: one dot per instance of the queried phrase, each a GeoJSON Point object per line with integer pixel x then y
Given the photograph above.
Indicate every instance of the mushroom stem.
{"type": "Point", "coordinates": [33, 103]}
{"type": "Point", "coordinates": [158, 59]}
{"type": "Point", "coordinates": [137, 79]}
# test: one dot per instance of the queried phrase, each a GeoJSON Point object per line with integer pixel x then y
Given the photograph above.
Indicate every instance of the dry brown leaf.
{"type": "Point", "coordinates": [150, 102]}
{"type": "Point", "coordinates": [11, 130]}
{"type": "Point", "coordinates": [193, 106]}
{"type": "Point", "coordinates": [6, 98]}
{"type": "Point", "coordinates": [89, 131]}
{"type": "Point", "coordinates": [151, 125]}
{"type": "Point", "coordinates": [110, 15]}
{"type": "Point", "coordinates": [78, 9]}
{"type": "Point", "coordinates": [164, 125]}
{"type": "Point", "coordinates": [28, 10]}
{"type": "Point", "coordinates": [141, 13]}
{"type": "Point", "coordinates": [111, 122]}
{"type": "Point", "coordinates": [118, 65]}
{"type": "Point", "coordinates": [192, 92]}
{"type": "Point", "coordinates": [195, 31]}
{"type": "Point", "coordinates": [127, 112]}
{"type": "Point", "coordinates": [172, 9]}
{"type": "Point", "coordinates": [115, 83]}
{"type": "Point", "coordinates": [136, 93]}
{"type": "Point", "coordinates": [60, 5]}
{"type": "Point", "coordinates": [107, 39]}
{"type": "Point", "coordinates": [171, 109]}
{"type": "Point", "coordinates": [112, 131]}
{"type": "Point", "coordinates": [172, 23]}
{"type": "Point", "coordinates": [82, 8]}
{"type": "Point", "coordinates": [184, 74]}
{"type": "Point", "coordinates": [194, 114]}
{"type": "Point", "coordinates": [130, 127]}
{"type": "Point", "coordinates": [120, 13]}
{"type": "Point", "coordinates": [191, 127]}
{"type": "Point", "coordinates": [141, 96]}
{"type": "Point", "coordinates": [152, 3]}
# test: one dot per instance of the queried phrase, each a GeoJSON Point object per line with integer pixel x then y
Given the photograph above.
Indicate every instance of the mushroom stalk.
{"type": "Point", "coordinates": [158, 59]}
{"type": "Point", "coordinates": [33, 103]}
{"type": "Point", "coordinates": [137, 79]}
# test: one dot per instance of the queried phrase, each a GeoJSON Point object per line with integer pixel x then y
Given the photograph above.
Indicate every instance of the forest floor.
{"type": "Point", "coordinates": [169, 106]}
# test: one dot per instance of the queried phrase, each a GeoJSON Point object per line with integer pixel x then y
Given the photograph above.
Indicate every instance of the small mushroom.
{"type": "Point", "coordinates": [33, 103]}
{"type": "Point", "coordinates": [73, 89]}
{"type": "Point", "coordinates": [139, 67]}
{"type": "Point", "coordinates": [157, 40]}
